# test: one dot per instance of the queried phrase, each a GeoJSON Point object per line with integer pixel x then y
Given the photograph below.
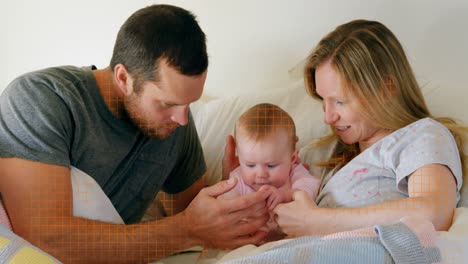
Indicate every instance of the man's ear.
{"type": "Point", "coordinates": [123, 80]}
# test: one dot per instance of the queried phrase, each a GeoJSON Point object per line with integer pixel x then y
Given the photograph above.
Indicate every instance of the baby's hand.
{"type": "Point", "coordinates": [276, 197]}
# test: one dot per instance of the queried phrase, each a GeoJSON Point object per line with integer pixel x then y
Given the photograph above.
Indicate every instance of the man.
{"type": "Point", "coordinates": [128, 127]}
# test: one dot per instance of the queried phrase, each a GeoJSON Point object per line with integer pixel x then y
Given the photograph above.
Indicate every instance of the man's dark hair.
{"type": "Point", "coordinates": [160, 32]}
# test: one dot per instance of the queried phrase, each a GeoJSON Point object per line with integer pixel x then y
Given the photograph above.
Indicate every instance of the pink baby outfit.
{"type": "Point", "coordinates": [299, 179]}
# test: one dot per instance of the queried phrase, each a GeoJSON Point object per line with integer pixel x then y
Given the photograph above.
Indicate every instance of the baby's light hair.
{"type": "Point", "coordinates": [262, 120]}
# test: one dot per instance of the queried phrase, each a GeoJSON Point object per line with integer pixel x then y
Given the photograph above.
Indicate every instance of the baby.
{"type": "Point", "coordinates": [265, 138]}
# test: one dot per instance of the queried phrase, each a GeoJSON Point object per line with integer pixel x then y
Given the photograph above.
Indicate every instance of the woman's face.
{"type": "Point", "coordinates": [343, 112]}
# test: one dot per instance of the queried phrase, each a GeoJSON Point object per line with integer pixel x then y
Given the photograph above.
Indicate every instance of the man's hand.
{"type": "Point", "coordinates": [230, 160]}
{"type": "Point", "coordinates": [220, 224]}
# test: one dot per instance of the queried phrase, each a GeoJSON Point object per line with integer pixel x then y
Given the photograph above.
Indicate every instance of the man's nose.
{"type": "Point", "coordinates": [180, 115]}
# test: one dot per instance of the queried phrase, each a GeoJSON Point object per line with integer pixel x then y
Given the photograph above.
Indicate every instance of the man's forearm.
{"type": "Point", "coordinates": [78, 240]}
{"type": "Point", "coordinates": [176, 203]}
{"type": "Point", "coordinates": [345, 219]}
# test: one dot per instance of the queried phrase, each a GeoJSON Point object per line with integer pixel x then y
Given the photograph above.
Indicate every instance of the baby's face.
{"type": "Point", "coordinates": [268, 161]}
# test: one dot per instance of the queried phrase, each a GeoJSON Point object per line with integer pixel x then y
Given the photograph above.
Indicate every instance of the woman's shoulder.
{"type": "Point", "coordinates": [421, 137]}
{"type": "Point", "coordinates": [421, 143]}
{"type": "Point", "coordinates": [420, 140]}
{"type": "Point", "coordinates": [428, 124]}
{"type": "Point", "coordinates": [425, 127]}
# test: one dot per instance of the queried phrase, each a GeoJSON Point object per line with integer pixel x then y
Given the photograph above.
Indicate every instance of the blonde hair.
{"type": "Point", "coordinates": [375, 70]}
{"type": "Point", "coordinates": [262, 120]}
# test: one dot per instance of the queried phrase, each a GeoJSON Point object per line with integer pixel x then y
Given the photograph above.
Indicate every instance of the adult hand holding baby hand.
{"type": "Point", "coordinates": [296, 218]}
{"type": "Point", "coordinates": [276, 197]}
{"type": "Point", "coordinates": [219, 223]}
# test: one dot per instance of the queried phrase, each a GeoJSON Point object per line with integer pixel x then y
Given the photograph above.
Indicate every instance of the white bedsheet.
{"type": "Point", "coordinates": [90, 201]}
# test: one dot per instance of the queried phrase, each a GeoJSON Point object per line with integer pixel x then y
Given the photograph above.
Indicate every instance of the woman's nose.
{"type": "Point", "coordinates": [330, 117]}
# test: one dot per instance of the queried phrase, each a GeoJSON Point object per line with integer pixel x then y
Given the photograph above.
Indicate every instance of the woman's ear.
{"type": "Point", "coordinates": [123, 80]}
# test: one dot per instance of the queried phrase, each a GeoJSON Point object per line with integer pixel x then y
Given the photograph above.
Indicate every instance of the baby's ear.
{"type": "Point", "coordinates": [236, 147]}
{"type": "Point", "coordinates": [295, 156]}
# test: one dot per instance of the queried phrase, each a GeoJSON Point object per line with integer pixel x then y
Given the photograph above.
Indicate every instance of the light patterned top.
{"type": "Point", "coordinates": [381, 172]}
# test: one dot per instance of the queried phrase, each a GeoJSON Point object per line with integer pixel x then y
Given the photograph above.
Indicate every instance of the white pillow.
{"type": "Point", "coordinates": [215, 119]}
{"type": "Point", "coordinates": [452, 244]}
{"type": "Point", "coordinates": [297, 71]}
{"type": "Point", "coordinates": [460, 222]}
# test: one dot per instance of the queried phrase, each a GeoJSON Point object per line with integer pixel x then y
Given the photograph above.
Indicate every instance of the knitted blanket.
{"type": "Point", "coordinates": [411, 240]}
{"type": "Point", "coordinates": [15, 250]}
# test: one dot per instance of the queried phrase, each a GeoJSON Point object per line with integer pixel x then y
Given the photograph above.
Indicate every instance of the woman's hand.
{"type": "Point", "coordinates": [297, 218]}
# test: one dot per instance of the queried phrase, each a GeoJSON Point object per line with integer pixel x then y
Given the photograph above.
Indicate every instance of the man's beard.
{"type": "Point", "coordinates": [132, 113]}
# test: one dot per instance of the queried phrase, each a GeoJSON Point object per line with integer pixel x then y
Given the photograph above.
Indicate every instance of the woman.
{"type": "Point", "coordinates": [392, 157]}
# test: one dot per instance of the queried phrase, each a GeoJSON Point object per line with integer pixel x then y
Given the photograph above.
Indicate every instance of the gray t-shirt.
{"type": "Point", "coordinates": [380, 173]}
{"type": "Point", "coordinates": [57, 116]}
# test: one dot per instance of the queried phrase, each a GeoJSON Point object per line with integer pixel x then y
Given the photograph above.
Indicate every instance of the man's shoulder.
{"type": "Point", "coordinates": [51, 76]}
{"type": "Point", "coordinates": [49, 84]}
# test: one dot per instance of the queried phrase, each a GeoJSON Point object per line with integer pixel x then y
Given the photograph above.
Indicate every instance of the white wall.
{"type": "Point", "coordinates": [252, 43]}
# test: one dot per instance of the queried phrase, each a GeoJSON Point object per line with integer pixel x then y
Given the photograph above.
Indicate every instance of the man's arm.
{"type": "Point", "coordinates": [176, 203]}
{"type": "Point", "coordinates": [38, 198]}
{"type": "Point", "coordinates": [432, 195]}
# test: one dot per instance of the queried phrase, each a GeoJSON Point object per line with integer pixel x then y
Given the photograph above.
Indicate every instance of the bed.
{"type": "Point", "coordinates": [215, 118]}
